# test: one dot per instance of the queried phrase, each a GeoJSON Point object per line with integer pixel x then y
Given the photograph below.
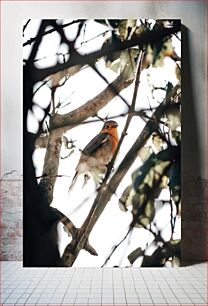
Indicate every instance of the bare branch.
{"type": "Point", "coordinates": [71, 228]}
{"type": "Point", "coordinates": [72, 231]}
{"type": "Point", "coordinates": [90, 108]}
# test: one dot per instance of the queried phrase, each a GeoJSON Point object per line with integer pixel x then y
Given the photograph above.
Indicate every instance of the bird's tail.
{"type": "Point", "coordinates": [73, 181]}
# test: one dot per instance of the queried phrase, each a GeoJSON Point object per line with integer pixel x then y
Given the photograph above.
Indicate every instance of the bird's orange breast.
{"type": "Point", "coordinates": [113, 139]}
{"type": "Point", "coordinates": [114, 143]}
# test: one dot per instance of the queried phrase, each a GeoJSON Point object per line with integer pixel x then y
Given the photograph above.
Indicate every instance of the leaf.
{"type": "Point", "coordinates": [112, 56]}
{"type": "Point", "coordinates": [178, 71]}
{"type": "Point", "coordinates": [133, 256]}
{"type": "Point", "coordinates": [174, 117]}
{"type": "Point", "coordinates": [161, 255]}
{"type": "Point", "coordinates": [123, 62]}
{"type": "Point", "coordinates": [177, 136]}
{"type": "Point", "coordinates": [144, 211]}
{"type": "Point", "coordinates": [101, 21]}
{"type": "Point", "coordinates": [148, 181]}
{"type": "Point", "coordinates": [124, 200]}
{"type": "Point", "coordinates": [145, 153]}
{"type": "Point", "coordinates": [167, 48]}
{"type": "Point", "coordinates": [157, 142]}
{"type": "Point", "coordinates": [158, 51]}
{"type": "Point", "coordinates": [126, 28]}
{"type": "Point", "coordinates": [128, 63]}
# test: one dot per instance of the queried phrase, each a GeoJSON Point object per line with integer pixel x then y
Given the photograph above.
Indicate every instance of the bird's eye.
{"type": "Point", "coordinates": [107, 126]}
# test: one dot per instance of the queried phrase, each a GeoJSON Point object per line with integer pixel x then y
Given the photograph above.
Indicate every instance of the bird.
{"type": "Point", "coordinates": [97, 154]}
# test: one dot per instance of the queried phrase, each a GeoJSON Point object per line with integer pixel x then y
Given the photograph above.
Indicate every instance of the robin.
{"type": "Point", "coordinates": [97, 153]}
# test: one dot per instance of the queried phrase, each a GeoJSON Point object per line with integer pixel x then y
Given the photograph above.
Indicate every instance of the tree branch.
{"type": "Point", "coordinates": [90, 108]}
{"type": "Point", "coordinates": [72, 230]}
{"type": "Point", "coordinates": [70, 227]}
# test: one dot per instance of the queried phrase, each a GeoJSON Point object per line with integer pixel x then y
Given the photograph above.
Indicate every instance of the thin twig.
{"type": "Point", "coordinates": [172, 218]}
{"type": "Point", "coordinates": [47, 176]}
{"type": "Point", "coordinates": [25, 26]}
{"type": "Point", "coordinates": [43, 83]}
{"type": "Point", "coordinates": [6, 174]}
{"type": "Point", "coordinates": [116, 246]}
{"type": "Point", "coordinates": [177, 36]}
{"type": "Point", "coordinates": [68, 155]}
{"type": "Point", "coordinates": [101, 34]}
{"type": "Point", "coordinates": [130, 115]}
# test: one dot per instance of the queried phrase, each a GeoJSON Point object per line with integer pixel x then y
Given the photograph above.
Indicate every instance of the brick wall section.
{"type": "Point", "coordinates": [11, 215]}
{"type": "Point", "coordinates": [194, 220]}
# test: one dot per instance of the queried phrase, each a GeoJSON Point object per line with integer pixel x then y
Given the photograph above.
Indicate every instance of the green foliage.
{"type": "Point", "coordinates": [149, 180]}
{"type": "Point", "coordinates": [161, 255]}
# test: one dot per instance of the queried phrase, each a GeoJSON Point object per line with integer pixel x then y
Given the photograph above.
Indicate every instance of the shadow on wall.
{"type": "Point", "coordinates": [194, 203]}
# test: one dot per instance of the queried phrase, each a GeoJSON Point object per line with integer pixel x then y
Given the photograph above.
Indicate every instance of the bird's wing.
{"type": "Point", "coordinates": [95, 143]}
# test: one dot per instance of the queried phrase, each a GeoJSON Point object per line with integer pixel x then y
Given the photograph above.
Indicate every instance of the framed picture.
{"type": "Point", "coordinates": [102, 142]}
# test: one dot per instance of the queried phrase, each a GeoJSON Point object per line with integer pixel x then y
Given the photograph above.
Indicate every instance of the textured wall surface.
{"type": "Point", "coordinates": [11, 219]}
{"type": "Point", "coordinates": [194, 220]}
{"type": "Point", "coordinates": [194, 111]}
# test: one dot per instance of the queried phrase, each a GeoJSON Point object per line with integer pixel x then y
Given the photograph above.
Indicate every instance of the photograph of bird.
{"type": "Point", "coordinates": [97, 154]}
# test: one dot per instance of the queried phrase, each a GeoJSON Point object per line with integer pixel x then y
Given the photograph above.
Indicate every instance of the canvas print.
{"type": "Point", "coordinates": [102, 142]}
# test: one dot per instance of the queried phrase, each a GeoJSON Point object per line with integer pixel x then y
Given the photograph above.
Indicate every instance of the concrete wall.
{"type": "Point", "coordinates": [194, 153]}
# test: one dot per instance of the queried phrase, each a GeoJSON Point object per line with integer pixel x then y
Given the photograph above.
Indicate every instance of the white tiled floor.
{"type": "Point", "coordinates": [94, 286]}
